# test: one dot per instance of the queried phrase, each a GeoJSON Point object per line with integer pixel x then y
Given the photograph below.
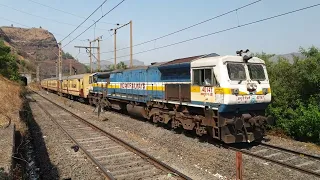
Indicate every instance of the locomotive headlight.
{"type": "Point", "coordinates": [249, 86]}
{"type": "Point", "coordinates": [265, 90]}
{"type": "Point", "coordinates": [235, 91]}
{"type": "Point", "coordinates": [255, 86]}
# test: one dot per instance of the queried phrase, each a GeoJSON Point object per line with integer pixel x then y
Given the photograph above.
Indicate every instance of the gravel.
{"type": "Point", "coordinates": [193, 156]}
{"type": "Point", "coordinates": [6, 140]}
{"type": "Point", "coordinates": [56, 158]}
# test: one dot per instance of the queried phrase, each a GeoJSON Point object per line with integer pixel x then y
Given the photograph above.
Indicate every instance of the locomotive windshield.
{"type": "Point", "coordinates": [236, 71]}
{"type": "Point", "coordinates": [256, 72]}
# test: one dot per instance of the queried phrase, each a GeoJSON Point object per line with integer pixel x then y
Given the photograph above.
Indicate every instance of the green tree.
{"type": "Point", "coordinates": [120, 65]}
{"type": "Point", "coordinates": [8, 64]}
{"type": "Point", "coordinates": [296, 94]}
{"type": "Point", "coordinates": [67, 55]}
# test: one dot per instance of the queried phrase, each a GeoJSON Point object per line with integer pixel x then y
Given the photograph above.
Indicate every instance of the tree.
{"type": "Point", "coordinates": [120, 65]}
{"type": "Point", "coordinates": [296, 94]}
{"type": "Point", "coordinates": [67, 55]}
{"type": "Point", "coordinates": [8, 64]}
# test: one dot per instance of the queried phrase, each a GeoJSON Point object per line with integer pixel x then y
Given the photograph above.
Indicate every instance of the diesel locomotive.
{"type": "Point", "coordinates": [223, 96]}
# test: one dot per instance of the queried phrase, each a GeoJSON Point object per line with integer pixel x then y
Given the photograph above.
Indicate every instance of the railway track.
{"type": "Point", "coordinates": [295, 160]}
{"type": "Point", "coordinates": [115, 158]}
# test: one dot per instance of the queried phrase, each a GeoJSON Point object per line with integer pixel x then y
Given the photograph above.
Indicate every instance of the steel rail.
{"type": "Point", "coordinates": [128, 146]}
{"type": "Point", "coordinates": [307, 171]}
{"type": "Point", "coordinates": [290, 151]}
{"type": "Point", "coordinates": [104, 170]}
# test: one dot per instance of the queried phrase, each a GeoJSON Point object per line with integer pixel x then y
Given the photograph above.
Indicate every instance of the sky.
{"type": "Point", "coordinates": [155, 18]}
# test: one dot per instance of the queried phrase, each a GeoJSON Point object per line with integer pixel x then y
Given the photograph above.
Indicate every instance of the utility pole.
{"type": "Point", "coordinates": [60, 67]}
{"type": "Point", "coordinates": [70, 67]}
{"type": "Point", "coordinates": [115, 44]}
{"type": "Point", "coordinates": [90, 54]}
{"type": "Point", "coordinates": [98, 54]}
{"type": "Point", "coordinates": [131, 58]}
{"type": "Point", "coordinates": [38, 69]}
{"type": "Point", "coordinates": [115, 48]}
{"type": "Point", "coordinates": [98, 50]}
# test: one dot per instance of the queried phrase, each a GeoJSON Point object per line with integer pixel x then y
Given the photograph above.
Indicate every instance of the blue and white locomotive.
{"type": "Point", "coordinates": [225, 96]}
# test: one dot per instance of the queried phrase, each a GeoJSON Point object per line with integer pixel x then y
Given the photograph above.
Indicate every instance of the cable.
{"type": "Point", "coordinates": [31, 27]}
{"type": "Point", "coordinates": [95, 22]}
{"type": "Point", "coordinates": [183, 29]}
{"type": "Point", "coordinates": [85, 20]}
{"type": "Point", "coordinates": [44, 17]}
{"type": "Point", "coordinates": [65, 11]}
{"type": "Point", "coordinates": [224, 30]}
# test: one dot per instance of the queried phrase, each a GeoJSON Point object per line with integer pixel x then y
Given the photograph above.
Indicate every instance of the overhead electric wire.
{"type": "Point", "coordinates": [224, 30]}
{"type": "Point", "coordinates": [31, 26]}
{"type": "Point", "coordinates": [95, 22]}
{"type": "Point", "coordinates": [183, 29]}
{"type": "Point", "coordinates": [53, 20]}
{"type": "Point", "coordinates": [85, 20]}
{"type": "Point", "coordinates": [66, 12]}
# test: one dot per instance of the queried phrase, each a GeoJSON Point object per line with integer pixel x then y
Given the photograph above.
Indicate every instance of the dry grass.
{"type": "Point", "coordinates": [26, 34]}
{"type": "Point", "coordinates": [10, 101]}
{"type": "Point", "coordinates": [34, 86]}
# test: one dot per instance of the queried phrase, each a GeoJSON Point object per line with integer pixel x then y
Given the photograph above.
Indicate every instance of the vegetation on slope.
{"type": "Point", "coordinates": [296, 94]}
{"type": "Point", "coordinates": [8, 64]}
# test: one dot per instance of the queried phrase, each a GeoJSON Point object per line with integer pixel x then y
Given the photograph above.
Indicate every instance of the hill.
{"type": "Point", "coordinates": [289, 57]}
{"type": "Point", "coordinates": [105, 64]}
{"type": "Point", "coordinates": [31, 45]}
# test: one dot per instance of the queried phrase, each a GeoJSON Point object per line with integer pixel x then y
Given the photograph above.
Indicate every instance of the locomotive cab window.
{"type": "Point", "coordinates": [236, 71]}
{"type": "Point", "coordinates": [256, 72]}
{"type": "Point", "coordinates": [204, 77]}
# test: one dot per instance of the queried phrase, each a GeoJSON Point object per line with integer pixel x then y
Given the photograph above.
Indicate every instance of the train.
{"type": "Point", "coordinates": [222, 96]}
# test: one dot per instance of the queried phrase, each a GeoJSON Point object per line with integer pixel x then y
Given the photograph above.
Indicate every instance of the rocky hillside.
{"type": "Point", "coordinates": [35, 44]}
{"type": "Point", "coordinates": [32, 44]}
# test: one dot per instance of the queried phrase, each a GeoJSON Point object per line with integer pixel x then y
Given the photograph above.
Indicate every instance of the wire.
{"type": "Point", "coordinates": [183, 29]}
{"type": "Point", "coordinates": [53, 20]}
{"type": "Point", "coordinates": [224, 30]}
{"type": "Point", "coordinates": [15, 22]}
{"type": "Point", "coordinates": [85, 20]}
{"type": "Point", "coordinates": [95, 22]}
{"type": "Point", "coordinates": [65, 11]}
{"type": "Point", "coordinates": [31, 27]}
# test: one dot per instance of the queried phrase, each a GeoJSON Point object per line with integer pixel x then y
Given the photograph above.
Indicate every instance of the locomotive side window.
{"type": "Point", "coordinates": [256, 72]}
{"type": "Point", "coordinates": [236, 71]}
{"type": "Point", "coordinates": [204, 77]}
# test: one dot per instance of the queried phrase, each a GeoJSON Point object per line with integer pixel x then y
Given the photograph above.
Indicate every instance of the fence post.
{"type": "Point", "coordinates": [239, 165]}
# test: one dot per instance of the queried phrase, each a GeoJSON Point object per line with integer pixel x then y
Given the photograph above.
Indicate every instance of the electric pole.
{"type": "Point", "coordinates": [131, 58]}
{"type": "Point", "coordinates": [98, 51]}
{"type": "Point", "coordinates": [90, 54]}
{"type": "Point", "coordinates": [70, 67]}
{"type": "Point", "coordinates": [98, 39]}
{"type": "Point", "coordinates": [115, 44]}
{"type": "Point", "coordinates": [115, 48]}
{"type": "Point", "coordinates": [60, 67]}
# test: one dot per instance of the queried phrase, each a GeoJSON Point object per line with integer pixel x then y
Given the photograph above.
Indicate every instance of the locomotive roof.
{"type": "Point", "coordinates": [189, 59]}
{"type": "Point", "coordinates": [209, 61]}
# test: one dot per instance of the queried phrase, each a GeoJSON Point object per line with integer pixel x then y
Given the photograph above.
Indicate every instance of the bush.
{"type": "Point", "coordinates": [8, 64]}
{"type": "Point", "coordinates": [305, 124]}
{"type": "Point", "coordinates": [296, 94]}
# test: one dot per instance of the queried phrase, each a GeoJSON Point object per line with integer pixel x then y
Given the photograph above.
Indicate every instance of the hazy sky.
{"type": "Point", "coordinates": [154, 18]}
